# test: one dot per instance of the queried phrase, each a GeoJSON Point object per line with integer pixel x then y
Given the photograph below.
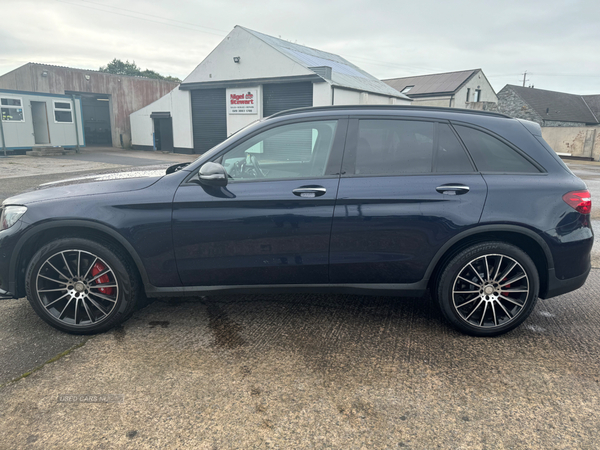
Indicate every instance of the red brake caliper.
{"type": "Point", "coordinates": [98, 268]}
{"type": "Point", "coordinates": [505, 287]}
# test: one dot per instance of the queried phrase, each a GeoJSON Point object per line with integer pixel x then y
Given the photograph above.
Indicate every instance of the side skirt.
{"type": "Point", "coordinates": [397, 290]}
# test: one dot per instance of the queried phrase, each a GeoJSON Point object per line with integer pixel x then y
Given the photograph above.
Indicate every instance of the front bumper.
{"type": "Point", "coordinates": [8, 242]}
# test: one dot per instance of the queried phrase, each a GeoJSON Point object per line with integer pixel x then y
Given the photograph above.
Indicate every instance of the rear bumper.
{"type": "Point", "coordinates": [558, 287]}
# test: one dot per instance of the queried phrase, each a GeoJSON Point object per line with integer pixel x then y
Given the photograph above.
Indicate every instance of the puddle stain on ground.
{"type": "Point", "coordinates": [225, 330]}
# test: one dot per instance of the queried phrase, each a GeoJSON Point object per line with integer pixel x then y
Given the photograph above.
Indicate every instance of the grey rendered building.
{"type": "Point", "coordinates": [107, 100]}
{"type": "Point", "coordinates": [463, 89]}
{"type": "Point", "coordinates": [31, 119]}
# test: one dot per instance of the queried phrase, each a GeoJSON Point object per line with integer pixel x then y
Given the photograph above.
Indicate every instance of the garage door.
{"type": "Point", "coordinates": [96, 119]}
{"type": "Point", "coordinates": [279, 97]}
{"type": "Point", "coordinates": [209, 118]}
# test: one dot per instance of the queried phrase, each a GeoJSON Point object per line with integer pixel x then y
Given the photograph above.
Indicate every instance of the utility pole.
{"type": "Point", "coordinates": [525, 78]}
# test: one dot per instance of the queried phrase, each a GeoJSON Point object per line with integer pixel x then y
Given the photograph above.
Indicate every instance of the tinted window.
{"type": "Point", "coordinates": [450, 156]}
{"type": "Point", "coordinates": [491, 154]}
{"type": "Point", "coordinates": [389, 147]}
{"type": "Point", "coordinates": [298, 150]}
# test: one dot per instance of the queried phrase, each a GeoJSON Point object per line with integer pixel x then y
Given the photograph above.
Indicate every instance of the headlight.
{"type": "Point", "coordinates": [10, 215]}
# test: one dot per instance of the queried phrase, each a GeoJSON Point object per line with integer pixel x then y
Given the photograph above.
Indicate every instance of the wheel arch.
{"type": "Point", "coordinates": [33, 239]}
{"type": "Point", "coordinates": [523, 238]}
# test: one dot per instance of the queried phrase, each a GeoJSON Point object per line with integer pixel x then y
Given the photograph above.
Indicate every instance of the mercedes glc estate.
{"type": "Point", "coordinates": [474, 206]}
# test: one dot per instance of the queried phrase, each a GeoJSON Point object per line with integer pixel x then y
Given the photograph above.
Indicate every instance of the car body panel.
{"type": "Point", "coordinates": [388, 229]}
{"type": "Point", "coordinates": [255, 232]}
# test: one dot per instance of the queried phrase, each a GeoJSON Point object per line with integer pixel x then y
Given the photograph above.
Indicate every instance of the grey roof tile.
{"type": "Point", "coordinates": [433, 84]}
{"type": "Point", "coordinates": [558, 106]}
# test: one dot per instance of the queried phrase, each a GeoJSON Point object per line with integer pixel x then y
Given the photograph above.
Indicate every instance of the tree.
{"type": "Point", "coordinates": [118, 67]}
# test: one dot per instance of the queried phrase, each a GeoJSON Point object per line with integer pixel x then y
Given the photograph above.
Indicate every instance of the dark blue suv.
{"type": "Point", "coordinates": [356, 199]}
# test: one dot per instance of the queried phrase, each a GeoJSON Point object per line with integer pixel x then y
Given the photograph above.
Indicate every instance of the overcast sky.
{"type": "Point", "coordinates": [556, 42]}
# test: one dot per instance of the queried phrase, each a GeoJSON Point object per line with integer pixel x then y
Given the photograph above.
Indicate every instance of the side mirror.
{"type": "Point", "coordinates": [176, 167]}
{"type": "Point", "coordinates": [213, 174]}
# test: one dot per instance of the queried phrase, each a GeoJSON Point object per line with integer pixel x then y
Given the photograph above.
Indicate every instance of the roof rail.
{"type": "Point", "coordinates": [386, 107]}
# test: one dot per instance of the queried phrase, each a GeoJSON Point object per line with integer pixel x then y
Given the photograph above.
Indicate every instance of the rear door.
{"type": "Point", "coordinates": [408, 186]}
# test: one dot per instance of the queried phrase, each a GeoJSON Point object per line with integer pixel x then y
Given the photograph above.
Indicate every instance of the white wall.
{"type": "Point", "coordinates": [479, 81]}
{"type": "Point", "coordinates": [257, 60]}
{"type": "Point", "coordinates": [179, 104]}
{"type": "Point", "coordinates": [348, 97]}
{"type": "Point", "coordinates": [321, 94]}
{"type": "Point", "coordinates": [345, 97]}
{"type": "Point", "coordinates": [437, 101]}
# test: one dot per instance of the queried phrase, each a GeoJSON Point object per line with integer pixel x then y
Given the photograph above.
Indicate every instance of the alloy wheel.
{"type": "Point", "coordinates": [490, 291]}
{"type": "Point", "coordinates": [77, 287]}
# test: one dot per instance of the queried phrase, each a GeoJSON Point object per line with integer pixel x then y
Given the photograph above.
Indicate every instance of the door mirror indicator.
{"type": "Point", "coordinates": [212, 174]}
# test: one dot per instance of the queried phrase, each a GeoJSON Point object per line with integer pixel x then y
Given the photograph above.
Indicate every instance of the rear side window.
{"type": "Point", "coordinates": [391, 147]}
{"type": "Point", "coordinates": [491, 154]}
{"type": "Point", "coordinates": [396, 147]}
{"type": "Point", "coordinates": [450, 156]}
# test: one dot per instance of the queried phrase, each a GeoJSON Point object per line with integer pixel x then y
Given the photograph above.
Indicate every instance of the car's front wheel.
{"type": "Point", "coordinates": [81, 286]}
{"type": "Point", "coordinates": [488, 289]}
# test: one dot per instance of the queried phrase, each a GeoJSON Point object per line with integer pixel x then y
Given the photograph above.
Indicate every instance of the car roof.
{"type": "Point", "coordinates": [385, 110]}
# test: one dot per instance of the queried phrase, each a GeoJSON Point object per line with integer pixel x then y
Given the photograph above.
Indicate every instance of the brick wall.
{"type": "Point", "coordinates": [511, 104]}
{"type": "Point", "coordinates": [556, 123]}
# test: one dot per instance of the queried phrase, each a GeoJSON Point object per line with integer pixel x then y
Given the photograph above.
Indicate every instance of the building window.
{"type": "Point", "coordinates": [12, 109]}
{"type": "Point", "coordinates": [468, 94]}
{"type": "Point", "coordinates": [406, 89]}
{"type": "Point", "coordinates": [63, 112]}
{"type": "Point", "coordinates": [477, 95]}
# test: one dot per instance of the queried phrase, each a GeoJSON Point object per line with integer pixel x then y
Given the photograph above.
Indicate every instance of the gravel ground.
{"type": "Point", "coordinates": [300, 371]}
{"type": "Point", "coordinates": [343, 372]}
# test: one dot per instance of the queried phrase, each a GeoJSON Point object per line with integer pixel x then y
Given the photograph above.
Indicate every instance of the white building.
{"type": "Point", "coordinates": [464, 89]}
{"type": "Point", "coordinates": [250, 75]}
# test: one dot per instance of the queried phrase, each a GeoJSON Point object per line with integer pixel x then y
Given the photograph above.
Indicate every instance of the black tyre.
{"type": "Point", "coordinates": [81, 286]}
{"type": "Point", "coordinates": [488, 289]}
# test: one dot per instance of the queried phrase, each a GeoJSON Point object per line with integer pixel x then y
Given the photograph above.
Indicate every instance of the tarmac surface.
{"type": "Point", "coordinates": [301, 371]}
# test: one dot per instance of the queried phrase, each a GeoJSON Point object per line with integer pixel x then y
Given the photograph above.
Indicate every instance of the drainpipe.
{"type": "Point", "coordinates": [2, 136]}
{"type": "Point", "coordinates": [76, 123]}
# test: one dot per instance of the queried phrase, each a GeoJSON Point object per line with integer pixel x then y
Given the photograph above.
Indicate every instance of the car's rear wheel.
{"type": "Point", "coordinates": [488, 289]}
{"type": "Point", "coordinates": [81, 286]}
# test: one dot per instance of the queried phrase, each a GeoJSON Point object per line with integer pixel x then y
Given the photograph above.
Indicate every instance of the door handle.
{"type": "Point", "coordinates": [309, 191]}
{"type": "Point", "coordinates": [452, 189]}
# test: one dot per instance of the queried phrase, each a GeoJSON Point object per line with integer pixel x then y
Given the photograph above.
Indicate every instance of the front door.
{"type": "Point", "coordinates": [271, 224]}
{"type": "Point", "coordinates": [39, 118]}
{"type": "Point", "coordinates": [408, 187]}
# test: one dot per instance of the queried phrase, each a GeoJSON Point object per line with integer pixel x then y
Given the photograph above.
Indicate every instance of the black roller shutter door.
{"type": "Point", "coordinates": [209, 118]}
{"type": "Point", "coordinates": [279, 97]}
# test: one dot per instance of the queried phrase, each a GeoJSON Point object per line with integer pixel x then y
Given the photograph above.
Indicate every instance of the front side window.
{"type": "Point", "coordinates": [491, 154]}
{"type": "Point", "coordinates": [299, 150]}
{"type": "Point", "coordinates": [63, 112]}
{"type": "Point", "coordinates": [12, 109]}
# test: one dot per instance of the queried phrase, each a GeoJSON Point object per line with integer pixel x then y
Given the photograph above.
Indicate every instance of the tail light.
{"type": "Point", "coordinates": [580, 201]}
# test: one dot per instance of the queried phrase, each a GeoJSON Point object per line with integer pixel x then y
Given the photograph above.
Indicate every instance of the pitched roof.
{"type": "Point", "coordinates": [558, 106]}
{"type": "Point", "coordinates": [343, 72]}
{"type": "Point", "coordinates": [433, 84]}
{"type": "Point", "coordinates": [593, 101]}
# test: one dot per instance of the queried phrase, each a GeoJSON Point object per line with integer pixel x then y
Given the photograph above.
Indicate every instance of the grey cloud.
{"type": "Point", "coordinates": [554, 41]}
